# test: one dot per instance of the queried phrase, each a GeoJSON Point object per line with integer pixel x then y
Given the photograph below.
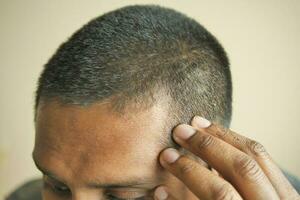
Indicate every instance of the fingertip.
{"type": "Point", "coordinates": [169, 156]}
{"type": "Point", "coordinates": [161, 193]}
{"type": "Point", "coordinates": [183, 132]}
{"type": "Point", "coordinates": [200, 122]}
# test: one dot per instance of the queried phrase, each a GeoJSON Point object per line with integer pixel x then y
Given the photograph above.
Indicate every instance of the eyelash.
{"type": "Point", "coordinates": [66, 191]}
{"type": "Point", "coordinates": [111, 197]}
{"type": "Point", "coordinates": [60, 191]}
{"type": "Point", "coordinates": [56, 189]}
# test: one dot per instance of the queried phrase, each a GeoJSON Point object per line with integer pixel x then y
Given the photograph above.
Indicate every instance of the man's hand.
{"type": "Point", "coordinates": [247, 171]}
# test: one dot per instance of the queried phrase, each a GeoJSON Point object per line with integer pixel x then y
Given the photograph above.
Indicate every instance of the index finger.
{"type": "Point", "coordinates": [200, 180]}
{"type": "Point", "coordinates": [253, 149]}
{"type": "Point", "coordinates": [238, 168]}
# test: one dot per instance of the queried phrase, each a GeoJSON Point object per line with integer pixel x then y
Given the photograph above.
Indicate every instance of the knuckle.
{"type": "Point", "coordinates": [187, 168]}
{"type": "Point", "coordinates": [205, 141]}
{"type": "Point", "coordinates": [256, 148]}
{"type": "Point", "coordinates": [248, 169]}
{"type": "Point", "coordinates": [222, 132]}
{"type": "Point", "coordinates": [223, 192]}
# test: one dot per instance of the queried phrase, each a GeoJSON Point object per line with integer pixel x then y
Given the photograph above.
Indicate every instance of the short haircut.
{"type": "Point", "coordinates": [138, 55]}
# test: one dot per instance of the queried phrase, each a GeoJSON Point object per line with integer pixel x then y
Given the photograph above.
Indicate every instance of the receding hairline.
{"type": "Point", "coordinates": [196, 36]}
{"type": "Point", "coordinates": [165, 103]}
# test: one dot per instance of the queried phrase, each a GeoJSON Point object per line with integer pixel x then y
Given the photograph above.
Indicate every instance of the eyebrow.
{"type": "Point", "coordinates": [142, 183]}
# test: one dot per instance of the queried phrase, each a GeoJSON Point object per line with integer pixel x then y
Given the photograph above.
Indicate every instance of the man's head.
{"type": "Point", "coordinates": [107, 100]}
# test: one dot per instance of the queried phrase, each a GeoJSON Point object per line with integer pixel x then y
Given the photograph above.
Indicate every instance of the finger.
{"type": "Point", "coordinates": [162, 193]}
{"type": "Point", "coordinates": [234, 165]}
{"type": "Point", "coordinates": [255, 150]}
{"type": "Point", "coordinates": [200, 180]}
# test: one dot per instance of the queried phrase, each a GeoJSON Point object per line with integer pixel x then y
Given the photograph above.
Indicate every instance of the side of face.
{"type": "Point", "coordinates": [94, 153]}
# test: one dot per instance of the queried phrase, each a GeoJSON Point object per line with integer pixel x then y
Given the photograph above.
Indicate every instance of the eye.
{"type": "Point", "coordinates": [61, 189]}
{"type": "Point", "coordinates": [56, 187]}
{"type": "Point", "coordinates": [112, 197]}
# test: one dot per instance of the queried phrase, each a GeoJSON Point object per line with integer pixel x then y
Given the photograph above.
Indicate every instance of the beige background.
{"type": "Point", "coordinates": [260, 36]}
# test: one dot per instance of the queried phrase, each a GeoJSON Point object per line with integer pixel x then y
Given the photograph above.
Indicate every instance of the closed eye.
{"type": "Point", "coordinates": [111, 197]}
{"type": "Point", "coordinates": [128, 195]}
{"type": "Point", "coordinates": [55, 186]}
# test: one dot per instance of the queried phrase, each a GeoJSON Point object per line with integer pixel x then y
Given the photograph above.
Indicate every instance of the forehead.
{"type": "Point", "coordinates": [89, 142]}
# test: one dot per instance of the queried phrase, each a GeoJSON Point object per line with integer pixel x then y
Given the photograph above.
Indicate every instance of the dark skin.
{"type": "Point", "coordinates": [246, 170]}
{"type": "Point", "coordinates": [94, 153]}
{"type": "Point", "coordinates": [81, 147]}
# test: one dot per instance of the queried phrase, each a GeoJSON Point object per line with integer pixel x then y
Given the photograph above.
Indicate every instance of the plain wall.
{"type": "Point", "coordinates": [261, 38]}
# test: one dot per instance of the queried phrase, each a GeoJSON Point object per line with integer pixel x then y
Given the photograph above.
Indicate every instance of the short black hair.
{"type": "Point", "coordinates": [137, 55]}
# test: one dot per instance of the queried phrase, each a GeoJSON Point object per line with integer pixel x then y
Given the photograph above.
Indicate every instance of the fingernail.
{"type": "Point", "coordinates": [201, 122]}
{"type": "Point", "coordinates": [161, 193]}
{"type": "Point", "coordinates": [170, 155]}
{"type": "Point", "coordinates": [184, 131]}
